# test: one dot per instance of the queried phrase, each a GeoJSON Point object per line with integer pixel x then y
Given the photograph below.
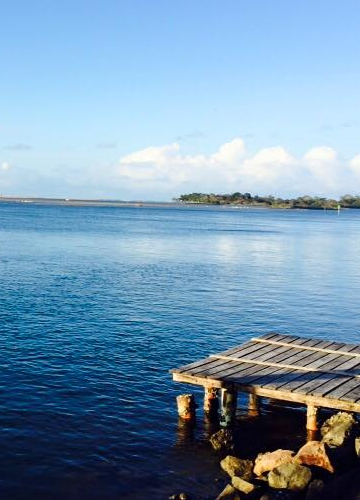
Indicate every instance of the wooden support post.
{"type": "Point", "coordinates": [186, 406]}
{"type": "Point", "coordinates": [254, 405]}
{"type": "Point", "coordinates": [211, 401]}
{"type": "Point", "coordinates": [228, 407]}
{"type": "Point", "coordinates": [311, 418]}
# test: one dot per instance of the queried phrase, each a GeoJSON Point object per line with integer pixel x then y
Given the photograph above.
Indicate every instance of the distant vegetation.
{"type": "Point", "coordinates": [246, 199]}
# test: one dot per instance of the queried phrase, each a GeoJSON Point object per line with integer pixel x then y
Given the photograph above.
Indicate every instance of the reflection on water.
{"type": "Point", "coordinates": [97, 304]}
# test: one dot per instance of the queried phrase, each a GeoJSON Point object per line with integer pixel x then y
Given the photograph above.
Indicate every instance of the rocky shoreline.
{"type": "Point", "coordinates": [327, 468]}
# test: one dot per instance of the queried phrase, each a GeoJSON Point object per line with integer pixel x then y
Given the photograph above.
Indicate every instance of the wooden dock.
{"type": "Point", "coordinates": [312, 372]}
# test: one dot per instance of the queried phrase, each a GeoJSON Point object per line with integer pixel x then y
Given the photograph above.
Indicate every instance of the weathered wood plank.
{"type": "Point", "coordinates": [336, 347]}
{"type": "Point", "coordinates": [343, 389]}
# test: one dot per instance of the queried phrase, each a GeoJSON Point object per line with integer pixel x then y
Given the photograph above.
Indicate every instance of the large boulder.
{"type": "Point", "coordinates": [229, 493]}
{"type": "Point", "coordinates": [314, 453]}
{"type": "Point", "coordinates": [344, 487]}
{"type": "Point", "coordinates": [222, 440]}
{"type": "Point", "coordinates": [237, 467]}
{"type": "Point", "coordinates": [242, 485]}
{"type": "Point", "coordinates": [337, 428]}
{"type": "Point", "coordinates": [290, 476]}
{"type": "Point", "coordinates": [266, 462]}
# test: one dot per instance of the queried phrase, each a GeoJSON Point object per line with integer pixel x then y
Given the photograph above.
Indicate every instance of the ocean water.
{"type": "Point", "coordinates": [98, 303]}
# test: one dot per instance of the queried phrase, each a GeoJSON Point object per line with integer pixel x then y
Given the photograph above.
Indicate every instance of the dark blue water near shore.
{"type": "Point", "coordinates": [98, 303]}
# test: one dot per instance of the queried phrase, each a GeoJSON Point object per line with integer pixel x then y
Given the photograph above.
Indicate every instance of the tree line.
{"type": "Point", "coordinates": [246, 199]}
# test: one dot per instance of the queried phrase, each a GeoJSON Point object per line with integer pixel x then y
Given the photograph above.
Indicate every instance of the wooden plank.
{"type": "Point", "coordinates": [206, 368]}
{"type": "Point", "coordinates": [343, 389]}
{"type": "Point", "coordinates": [295, 379]}
{"type": "Point", "coordinates": [335, 368]}
{"type": "Point", "coordinates": [330, 385]}
{"type": "Point", "coordinates": [269, 376]}
{"type": "Point", "coordinates": [230, 372]}
{"type": "Point", "coordinates": [343, 348]}
{"type": "Point", "coordinates": [309, 368]}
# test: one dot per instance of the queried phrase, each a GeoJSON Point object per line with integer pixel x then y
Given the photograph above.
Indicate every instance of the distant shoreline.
{"type": "Point", "coordinates": [75, 202]}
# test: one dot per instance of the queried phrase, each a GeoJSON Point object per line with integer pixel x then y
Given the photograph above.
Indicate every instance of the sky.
{"type": "Point", "coordinates": [139, 99]}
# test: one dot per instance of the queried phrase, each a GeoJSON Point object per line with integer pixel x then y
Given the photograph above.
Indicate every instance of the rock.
{"type": "Point", "coordinates": [343, 487]}
{"type": "Point", "coordinates": [277, 495]}
{"type": "Point", "coordinates": [289, 476]}
{"type": "Point", "coordinates": [268, 461]}
{"type": "Point", "coordinates": [337, 428]}
{"type": "Point", "coordinates": [242, 485]}
{"type": "Point", "coordinates": [184, 496]}
{"type": "Point", "coordinates": [314, 490]}
{"type": "Point", "coordinates": [229, 493]}
{"type": "Point", "coordinates": [222, 440]}
{"type": "Point", "coordinates": [237, 467]}
{"type": "Point", "coordinates": [357, 446]}
{"type": "Point", "coordinates": [314, 453]}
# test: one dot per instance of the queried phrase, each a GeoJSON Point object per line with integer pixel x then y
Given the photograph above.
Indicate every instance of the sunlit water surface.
{"type": "Point", "coordinates": [97, 304]}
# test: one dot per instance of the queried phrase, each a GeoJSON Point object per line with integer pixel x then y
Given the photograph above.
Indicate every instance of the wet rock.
{"type": "Point", "coordinates": [222, 440]}
{"type": "Point", "coordinates": [357, 446]}
{"type": "Point", "coordinates": [268, 461]}
{"type": "Point", "coordinates": [289, 476]}
{"type": "Point", "coordinates": [229, 493]}
{"type": "Point", "coordinates": [277, 495]}
{"type": "Point", "coordinates": [237, 467]}
{"type": "Point", "coordinates": [242, 485]}
{"type": "Point", "coordinates": [344, 487]}
{"type": "Point", "coordinates": [337, 428]}
{"type": "Point", "coordinates": [315, 490]}
{"type": "Point", "coordinates": [314, 453]}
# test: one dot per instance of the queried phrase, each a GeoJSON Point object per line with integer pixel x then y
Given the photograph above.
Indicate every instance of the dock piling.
{"type": "Point", "coordinates": [211, 401]}
{"type": "Point", "coordinates": [254, 405]}
{"type": "Point", "coordinates": [228, 407]}
{"type": "Point", "coordinates": [311, 418]}
{"type": "Point", "coordinates": [186, 406]}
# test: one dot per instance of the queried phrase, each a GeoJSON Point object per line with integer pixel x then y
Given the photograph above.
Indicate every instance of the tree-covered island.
{"type": "Point", "coordinates": [246, 199]}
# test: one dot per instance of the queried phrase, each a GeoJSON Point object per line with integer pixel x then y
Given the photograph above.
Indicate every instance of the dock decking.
{"type": "Point", "coordinates": [316, 373]}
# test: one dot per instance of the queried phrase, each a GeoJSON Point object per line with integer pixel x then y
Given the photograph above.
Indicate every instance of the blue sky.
{"type": "Point", "coordinates": [150, 99]}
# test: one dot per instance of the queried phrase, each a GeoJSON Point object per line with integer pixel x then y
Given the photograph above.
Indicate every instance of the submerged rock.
{"type": "Point", "coordinates": [314, 453]}
{"type": "Point", "coordinates": [337, 428]}
{"type": "Point", "coordinates": [315, 489]}
{"type": "Point", "coordinates": [277, 495]}
{"type": "Point", "coordinates": [180, 496]}
{"type": "Point", "coordinates": [289, 476]}
{"type": "Point", "coordinates": [229, 493]}
{"type": "Point", "coordinates": [242, 485]}
{"type": "Point", "coordinates": [222, 440]}
{"type": "Point", "coordinates": [266, 462]}
{"type": "Point", "coordinates": [237, 467]}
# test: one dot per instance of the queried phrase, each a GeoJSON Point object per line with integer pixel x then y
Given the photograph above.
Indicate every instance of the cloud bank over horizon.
{"type": "Point", "coordinates": [272, 170]}
{"type": "Point", "coordinates": [163, 172]}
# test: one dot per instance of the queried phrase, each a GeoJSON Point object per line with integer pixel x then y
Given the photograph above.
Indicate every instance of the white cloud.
{"type": "Point", "coordinates": [5, 166]}
{"type": "Point", "coordinates": [166, 170]}
{"type": "Point", "coordinates": [162, 172]}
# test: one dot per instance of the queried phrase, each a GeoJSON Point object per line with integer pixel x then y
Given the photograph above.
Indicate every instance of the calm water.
{"type": "Point", "coordinates": [98, 303]}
